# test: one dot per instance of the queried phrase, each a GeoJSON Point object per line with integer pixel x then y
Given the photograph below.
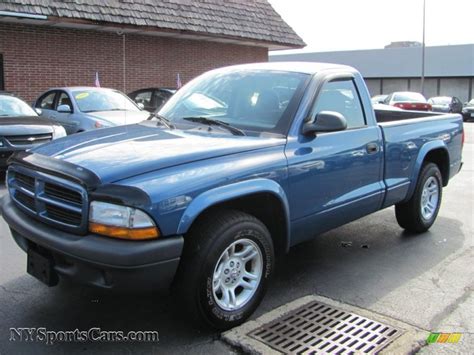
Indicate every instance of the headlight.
{"type": "Point", "coordinates": [58, 132]}
{"type": "Point", "coordinates": [121, 222]}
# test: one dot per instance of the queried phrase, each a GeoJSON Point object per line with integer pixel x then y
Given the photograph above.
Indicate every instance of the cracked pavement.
{"type": "Point", "coordinates": [425, 280]}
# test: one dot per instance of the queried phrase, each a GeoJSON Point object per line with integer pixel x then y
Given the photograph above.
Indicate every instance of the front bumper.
{"type": "Point", "coordinates": [96, 260]}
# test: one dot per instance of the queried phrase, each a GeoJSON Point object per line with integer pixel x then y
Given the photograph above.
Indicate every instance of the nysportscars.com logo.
{"type": "Point", "coordinates": [50, 337]}
{"type": "Point", "coordinates": [443, 338]}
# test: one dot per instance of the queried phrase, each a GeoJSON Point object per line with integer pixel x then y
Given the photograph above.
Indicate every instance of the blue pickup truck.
{"type": "Point", "coordinates": [239, 165]}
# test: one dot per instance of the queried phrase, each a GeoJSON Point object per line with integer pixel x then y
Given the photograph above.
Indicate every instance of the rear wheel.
{"type": "Point", "coordinates": [419, 213]}
{"type": "Point", "coordinates": [226, 265]}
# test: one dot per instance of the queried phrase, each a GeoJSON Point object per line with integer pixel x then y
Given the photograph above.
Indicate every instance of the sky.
{"type": "Point", "coordinates": [332, 25]}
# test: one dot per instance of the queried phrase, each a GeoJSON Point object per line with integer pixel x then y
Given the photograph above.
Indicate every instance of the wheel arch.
{"type": "Point", "coordinates": [263, 198]}
{"type": "Point", "coordinates": [440, 157]}
{"type": "Point", "coordinates": [435, 152]}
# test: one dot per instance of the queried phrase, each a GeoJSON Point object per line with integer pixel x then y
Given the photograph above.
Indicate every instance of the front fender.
{"type": "Point", "coordinates": [424, 150]}
{"type": "Point", "coordinates": [228, 192]}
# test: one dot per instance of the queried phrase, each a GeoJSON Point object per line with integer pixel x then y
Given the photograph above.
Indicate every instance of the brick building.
{"type": "Point", "coordinates": [131, 43]}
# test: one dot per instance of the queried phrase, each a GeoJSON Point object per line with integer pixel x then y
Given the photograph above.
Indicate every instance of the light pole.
{"type": "Point", "coordinates": [423, 53]}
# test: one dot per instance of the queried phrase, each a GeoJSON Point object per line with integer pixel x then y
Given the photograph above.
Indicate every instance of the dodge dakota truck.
{"type": "Point", "coordinates": [238, 166]}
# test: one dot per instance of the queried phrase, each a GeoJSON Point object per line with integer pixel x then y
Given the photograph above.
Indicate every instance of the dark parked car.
{"type": "Point", "coordinates": [21, 128]}
{"type": "Point", "coordinates": [447, 104]}
{"type": "Point", "coordinates": [408, 101]}
{"type": "Point", "coordinates": [468, 111]}
{"type": "Point", "coordinates": [151, 98]}
{"type": "Point", "coordinates": [80, 109]}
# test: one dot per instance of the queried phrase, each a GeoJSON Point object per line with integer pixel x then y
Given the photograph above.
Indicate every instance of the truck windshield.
{"type": "Point", "coordinates": [251, 100]}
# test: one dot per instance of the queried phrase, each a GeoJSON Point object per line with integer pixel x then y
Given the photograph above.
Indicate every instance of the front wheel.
{"type": "Point", "coordinates": [419, 213]}
{"type": "Point", "coordinates": [226, 265]}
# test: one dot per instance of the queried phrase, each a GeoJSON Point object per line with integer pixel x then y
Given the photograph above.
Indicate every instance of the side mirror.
{"type": "Point", "coordinates": [64, 109]}
{"type": "Point", "coordinates": [140, 106]}
{"type": "Point", "coordinates": [326, 121]}
{"type": "Point", "coordinates": [38, 111]}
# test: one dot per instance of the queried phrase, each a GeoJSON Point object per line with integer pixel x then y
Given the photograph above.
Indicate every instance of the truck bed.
{"type": "Point", "coordinates": [406, 134]}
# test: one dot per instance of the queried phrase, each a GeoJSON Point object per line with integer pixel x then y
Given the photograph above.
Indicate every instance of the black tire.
{"type": "Point", "coordinates": [409, 215]}
{"type": "Point", "coordinates": [204, 245]}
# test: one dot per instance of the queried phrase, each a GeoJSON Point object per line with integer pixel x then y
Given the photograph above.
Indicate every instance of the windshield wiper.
{"type": "Point", "coordinates": [209, 121]}
{"type": "Point", "coordinates": [161, 119]}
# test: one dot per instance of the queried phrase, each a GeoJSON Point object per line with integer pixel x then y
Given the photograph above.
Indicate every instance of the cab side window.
{"type": "Point", "coordinates": [341, 96]}
{"type": "Point", "coordinates": [47, 101]}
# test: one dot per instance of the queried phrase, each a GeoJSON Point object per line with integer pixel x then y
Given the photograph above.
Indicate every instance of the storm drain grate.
{"type": "Point", "coordinates": [317, 328]}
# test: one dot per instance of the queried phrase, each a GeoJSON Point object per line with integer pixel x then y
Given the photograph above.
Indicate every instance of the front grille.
{"type": "Point", "coordinates": [25, 181]}
{"type": "Point", "coordinates": [29, 139]}
{"type": "Point", "coordinates": [63, 215]}
{"type": "Point", "coordinates": [62, 193]}
{"type": "Point", "coordinates": [49, 198]}
{"type": "Point", "coordinates": [25, 200]}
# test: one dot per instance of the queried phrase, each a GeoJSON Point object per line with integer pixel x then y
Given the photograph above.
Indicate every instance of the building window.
{"type": "Point", "coordinates": [2, 86]}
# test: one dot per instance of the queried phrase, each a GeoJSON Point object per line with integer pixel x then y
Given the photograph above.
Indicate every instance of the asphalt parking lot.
{"type": "Point", "coordinates": [424, 280]}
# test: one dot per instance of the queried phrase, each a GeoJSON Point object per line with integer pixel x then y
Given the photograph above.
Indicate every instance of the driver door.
{"type": "Point", "coordinates": [335, 177]}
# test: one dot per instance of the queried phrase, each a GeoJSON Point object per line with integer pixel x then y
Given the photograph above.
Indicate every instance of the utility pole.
{"type": "Point", "coordinates": [423, 52]}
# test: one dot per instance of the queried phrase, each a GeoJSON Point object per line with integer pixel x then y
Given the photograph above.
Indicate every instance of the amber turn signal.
{"type": "Point", "coordinates": [124, 233]}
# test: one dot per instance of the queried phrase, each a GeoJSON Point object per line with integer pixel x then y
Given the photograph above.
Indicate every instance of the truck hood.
{"type": "Point", "coordinates": [11, 126]}
{"type": "Point", "coordinates": [120, 152]}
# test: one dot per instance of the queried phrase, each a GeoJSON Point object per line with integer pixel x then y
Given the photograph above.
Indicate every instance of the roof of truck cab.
{"type": "Point", "coordinates": [297, 67]}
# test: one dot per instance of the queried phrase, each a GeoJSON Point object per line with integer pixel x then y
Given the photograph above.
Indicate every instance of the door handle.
{"type": "Point", "coordinates": [372, 148]}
